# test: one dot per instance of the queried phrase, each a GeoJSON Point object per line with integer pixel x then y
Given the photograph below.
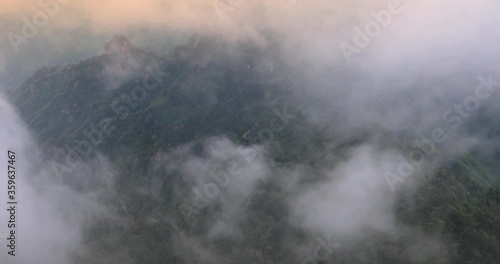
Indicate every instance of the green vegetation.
{"type": "Point", "coordinates": [207, 91]}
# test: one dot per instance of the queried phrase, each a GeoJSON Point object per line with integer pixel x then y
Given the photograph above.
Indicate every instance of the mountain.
{"type": "Point", "coordinates": [165, 122]}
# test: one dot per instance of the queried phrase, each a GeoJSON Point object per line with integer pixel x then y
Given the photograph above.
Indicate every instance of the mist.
{"type": "Point", "coordinates": [51, 214]}
{"type": "Point", "coordinates": [420, 71]}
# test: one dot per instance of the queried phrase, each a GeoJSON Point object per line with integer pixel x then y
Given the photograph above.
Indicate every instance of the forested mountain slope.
{"type": "Point", "coordinates": [168, 123]}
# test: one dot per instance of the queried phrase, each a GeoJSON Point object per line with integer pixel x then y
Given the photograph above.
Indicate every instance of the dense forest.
{"type": "Point", "coordinates": [211, 145]}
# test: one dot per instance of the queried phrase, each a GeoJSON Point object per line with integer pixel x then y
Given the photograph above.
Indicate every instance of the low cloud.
{"type": "Point", "coordinates": [51, 215]}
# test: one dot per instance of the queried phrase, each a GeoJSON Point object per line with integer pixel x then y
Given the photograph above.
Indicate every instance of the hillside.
{"type": "Point", "coordinates": [166, 122]}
